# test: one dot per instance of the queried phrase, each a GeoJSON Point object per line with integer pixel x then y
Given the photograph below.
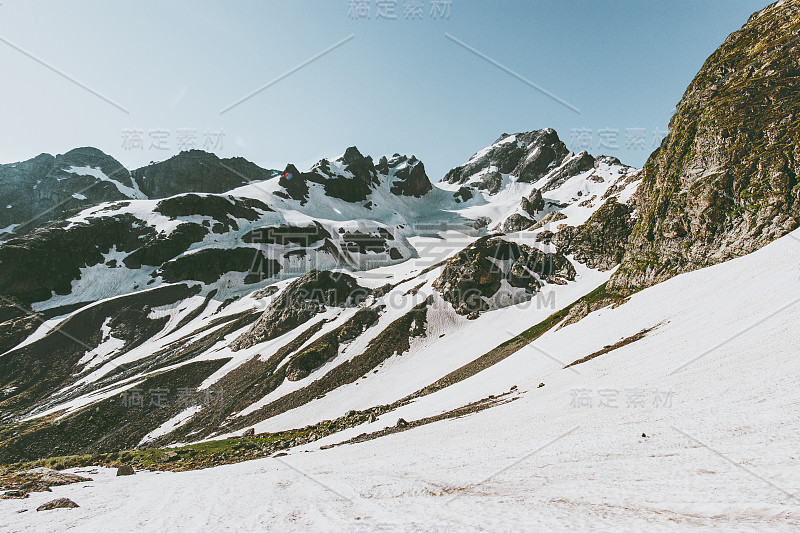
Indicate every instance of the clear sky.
{"type": "Point", "coordinates": [428, 85]}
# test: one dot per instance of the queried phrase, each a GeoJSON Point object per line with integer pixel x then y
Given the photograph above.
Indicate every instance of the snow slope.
{"type": "Point", "coordinates": [713, 386]}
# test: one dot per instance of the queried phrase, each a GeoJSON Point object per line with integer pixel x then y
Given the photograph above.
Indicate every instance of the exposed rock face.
{"type": "Point", "coordinates": [493, 272]}
{"type": "Point", "coordinates": [221, 208]}
{"type": "Point", "coordinates": [724, 181]}
{"type": "Point", "coordinates": [572, 166]}
{"type": "Point", "coordinates": [162, 248]}
{"type": "Point", "coordinates": [529, 156]}
{"type": "Point", "coordinates": [43, 188]}
{"type": "Point", "coordinates": [407, 174]}
{"type": "Point", "coordinates": [108, 425]}
{"type": "Point", "coordinates": [301, 301]}
{"type": "Point", "coordinates": [209, 264]}
{"type": "Point", "coordinates": [286, 234]}
{"type": "Point", "coordinates": [294, 183]}
{"type": "Point", "coordinates": [48, 364]}
{"type": "Point", "coordinates": [490, 181]}
{"type": "Point", "coordinates": [350, 177]}
{"type": "Point", "coordinates": [49, 259]}
{"type": "Point", "coordinates": [34, 266]}
{"type": "Point", "coordinates": [550, 218]}
{"type": "Point", "coordinates": [360, 242]}
{"type": "Point", "coordinates": [516, 222]}
{"type": "Point", "coordinates": [533, 203]}
{"type": "Point", "coordinates": [327, 347]}
{"type": "Point", "coordinates": [353, 176]}
{"type": "Point", "coordinates": [600, 242]}
{"type": "Point", "coordinates": [197, 171]}
{"type": "Point", "coordinates": [463, 194]}
{"type": "Point", "coordinates": [47, 188]}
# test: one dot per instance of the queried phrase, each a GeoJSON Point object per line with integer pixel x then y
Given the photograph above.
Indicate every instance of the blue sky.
{"type": "Point", "coordinates": [398, 85]}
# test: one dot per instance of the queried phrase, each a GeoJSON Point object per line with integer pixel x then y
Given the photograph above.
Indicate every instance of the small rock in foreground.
{"type": "Point", "coordinates": [125, 470]}
{"type": "Point", "coordinates": [58, 503]}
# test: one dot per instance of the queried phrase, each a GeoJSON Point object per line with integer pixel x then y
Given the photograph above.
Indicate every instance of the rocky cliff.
{"type": "Point", "coordinates": [724, 181]}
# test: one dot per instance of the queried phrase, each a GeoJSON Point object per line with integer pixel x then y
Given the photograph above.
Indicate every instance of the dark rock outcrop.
{"type": "Point", "coordinates": [528, 156]}
{"type": "Point", "coordinates": [48, 188]}
{"type": "Point", "coordinates": [572, 166]}
{"type": "Point", "coordinates": [600, 242]}
{"type": "Point", "coordinates": [125, 470]}
{"type": "Point", "coordinates": [515, 223]}
{"type": "Point", "coordinates": [362, 243]}
{"type": "Point", "coordinates": [463, 194]}
{"type": "Point", "coordinates": [327, 347]}
{"type": "Point", "coordinates": [286, 234]}
{"type": "Point", "coordinates": [491, 182]}
{"type": "Point", "coordinates": [197, 171]}
{"type": "Point", "coordinates": [353, 184]}
{"type": "Point", "coordinates": [156, 251]}
{"type": "Point", "coordinates": [58, 503]}
{"type": "Point", "coordinates": [477, 273]}
{"type": "Point", "coordinates": [533, 203]}
{"type": "Point", "coordinates": [49, 259]}
{"type": "Point", "coordinates": [724, 182]}
{"type": "Point", "coordinates": [209, 264]}
{"type": "Point", "coordinates": [301, 301]}
{"type": "Point", "coordinates": [294, 183]}
{"type": "Point", "coordinates": [407, 174]}
{"type": "Point", "coordinates": [44, 188]}
{"type": "Point", "coordinates": [222, 209]}
{"type": "Point", "coordinates": [353, 176]}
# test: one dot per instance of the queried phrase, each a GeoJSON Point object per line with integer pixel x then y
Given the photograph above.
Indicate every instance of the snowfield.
{"type": "Point", "coordinates": [693, 426]}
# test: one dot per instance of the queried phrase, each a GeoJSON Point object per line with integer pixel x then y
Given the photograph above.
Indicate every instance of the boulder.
{"type": "Point", "coordinates": [58, 503]}
{"type": "Point", "coordinates": [125, 470]}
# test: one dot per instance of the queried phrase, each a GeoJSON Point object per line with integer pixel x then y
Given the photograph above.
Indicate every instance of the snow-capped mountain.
{"type": "Point", "coordinates": [47, 187]}
{"type": "Point", "coordinates": [330, 267]}
{"type": "Point", "coordinates": [541, 340]}
{"type": "Point", "coordinates": [43, 188]}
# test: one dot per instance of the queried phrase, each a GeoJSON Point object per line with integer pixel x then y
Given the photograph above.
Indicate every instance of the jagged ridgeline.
{"type": "Point", "coordinates": [280, 290]}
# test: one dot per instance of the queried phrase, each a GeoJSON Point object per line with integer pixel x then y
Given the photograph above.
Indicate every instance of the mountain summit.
{"type": "Point", "coordinates": [352, 177]}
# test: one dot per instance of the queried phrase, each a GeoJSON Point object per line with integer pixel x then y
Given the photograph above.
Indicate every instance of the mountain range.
{"type": "Point", "coordinates": [201, 312]}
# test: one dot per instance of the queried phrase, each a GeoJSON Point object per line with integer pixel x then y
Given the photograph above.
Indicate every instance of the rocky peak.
{"type": "Point", "coordinates": [349, 177]}
{"type": "Point", "coordinates": [526, 156]}
{"type": "Point", "coordinates": [407, 175]}
{"type": "Point", "coordinates": [353, 176]}
{"type": "Point", "coordinates": [45, 187]}
{"type": "Point", "coordinates": [724, 181]}
{"type": "Point", "coordinates": [197, 171]}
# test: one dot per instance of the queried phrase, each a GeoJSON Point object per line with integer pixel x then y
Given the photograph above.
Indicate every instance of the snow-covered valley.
{"type": "Point", "coordinates": [537, 339]}
{"type": "Point", "coordinates": [713, 386]}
